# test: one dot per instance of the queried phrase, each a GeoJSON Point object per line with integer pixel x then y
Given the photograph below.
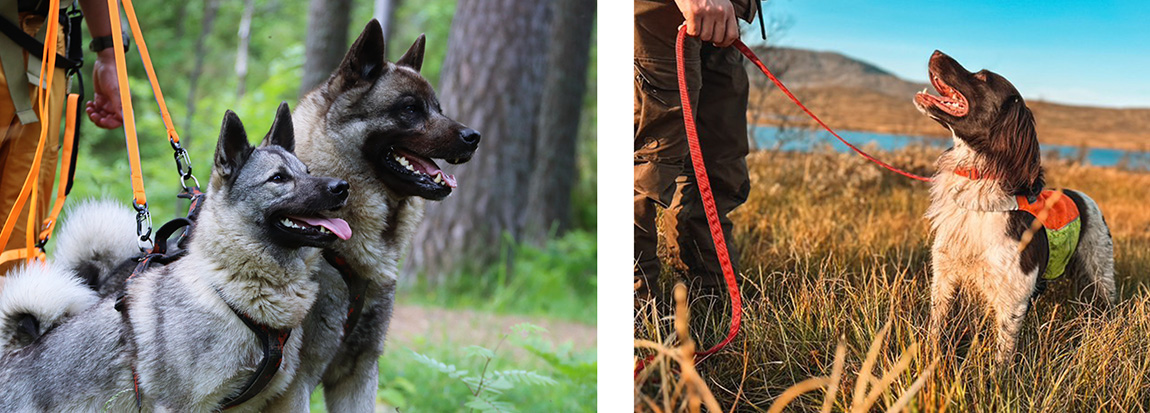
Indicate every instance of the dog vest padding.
{"type": "Point", "coordinates": [1063, 225]}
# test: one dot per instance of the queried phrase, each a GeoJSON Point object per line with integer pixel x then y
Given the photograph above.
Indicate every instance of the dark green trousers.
{"type": "Point", "coordinates": [664, 176]}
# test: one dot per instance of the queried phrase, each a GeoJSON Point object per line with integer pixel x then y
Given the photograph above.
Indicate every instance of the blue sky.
{"type": "Point", "coordinates": [1078, 52]}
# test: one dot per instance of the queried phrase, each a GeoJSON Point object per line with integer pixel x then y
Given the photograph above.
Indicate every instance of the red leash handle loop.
{"type": "Point", "coordinates": [709, 207]}
{"type": "Point", "coordinates": [704, 183]}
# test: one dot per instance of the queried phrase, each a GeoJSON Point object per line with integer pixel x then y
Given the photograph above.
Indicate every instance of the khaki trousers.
{"type": "Point", "coordinates": [18, 148]}
{"type": "Point", "coordinates": [664, 176]}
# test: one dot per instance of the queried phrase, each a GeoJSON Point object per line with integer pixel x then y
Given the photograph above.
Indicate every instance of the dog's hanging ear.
{"type": "Point", "coordinates": [365, 61]}
{"type": "Point", "coordinates": [233, 149]}
{"type": "Point", "coordinates": [413, 58]}
{"type": "Point", "coordinates": [282, 133]}
{"type": "Point", "coordinates": [1015, 153]}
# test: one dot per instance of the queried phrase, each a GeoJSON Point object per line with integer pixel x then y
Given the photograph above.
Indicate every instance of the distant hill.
{"type": "Point", "coordinates": [852, 94]}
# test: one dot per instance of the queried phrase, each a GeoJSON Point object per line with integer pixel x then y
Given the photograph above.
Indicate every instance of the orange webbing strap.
{"type": "Point", "coordinates": [28, 192]}
{"type": "Point", "coordinates": [138, 36]}
{"type": "Point", "coordinates": [65, 166]}
{"type": "Point", "coordinates": [139, 198]}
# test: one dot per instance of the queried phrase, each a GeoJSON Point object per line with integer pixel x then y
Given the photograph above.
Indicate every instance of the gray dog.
{"type": "Point", "coordinates": [378, 125]}
{"type": "Point", "coordinates": [190, 332]}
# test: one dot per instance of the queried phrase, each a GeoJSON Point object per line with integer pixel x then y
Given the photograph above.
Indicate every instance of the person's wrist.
{"type": "Point", "coordinates": [106, 56]}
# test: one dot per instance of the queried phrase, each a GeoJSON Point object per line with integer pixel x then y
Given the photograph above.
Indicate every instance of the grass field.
{"type": "Point", "coordinates": [834, 248]}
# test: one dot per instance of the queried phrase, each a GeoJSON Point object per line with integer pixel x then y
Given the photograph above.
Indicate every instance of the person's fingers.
{"type": "Point", "coordinates": [707, 31]}
{"type": "Point", "coordinates": [692, 26]}
{"type": "Point", "coordinates": [731, 32]}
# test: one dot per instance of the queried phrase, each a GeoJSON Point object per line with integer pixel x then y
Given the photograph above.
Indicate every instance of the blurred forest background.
{"type": "Point", "coordinates": [516, 239]}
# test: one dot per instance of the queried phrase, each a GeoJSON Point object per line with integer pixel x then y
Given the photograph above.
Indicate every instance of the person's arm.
{"type": "Point", "coordinates": [711, 20]}
{"type": "Point", "coordinates": [104, 110]}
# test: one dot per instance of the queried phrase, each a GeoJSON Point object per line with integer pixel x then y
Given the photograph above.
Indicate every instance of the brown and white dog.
{"type": "Point", "coordinates": [987, 193]}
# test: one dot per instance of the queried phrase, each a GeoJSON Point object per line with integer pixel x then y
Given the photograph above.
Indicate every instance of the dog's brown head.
{"type": "Point", "coordinates": [985, 111]}
{"type": "Point", "coordinates": [394, 112]}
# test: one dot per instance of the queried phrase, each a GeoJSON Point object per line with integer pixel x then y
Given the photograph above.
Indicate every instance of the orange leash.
{"type": "Point", "coordinates": [139, 197]}
{"type": "Point", "coordinates": [66, 166]}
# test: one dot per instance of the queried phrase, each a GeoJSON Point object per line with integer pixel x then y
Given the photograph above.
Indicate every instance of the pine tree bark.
{"type": "Point", "coordinates": [492, 81]}
{"type": "Point", "coordinates": [555, 172]}
{"type": "Point", "coordinates": [327, 25]}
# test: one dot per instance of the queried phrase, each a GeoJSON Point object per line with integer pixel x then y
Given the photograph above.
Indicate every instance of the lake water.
{"type": "Point", "coordinates": [770, 137]}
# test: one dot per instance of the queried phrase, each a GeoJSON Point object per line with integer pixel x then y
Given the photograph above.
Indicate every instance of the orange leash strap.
{"type": "Point", "coordinates": [28, 192]}
{"type": "Point", "coordinates": [138, 36]}
{"type": "Point", "coordinates": [139, 198]}
{"type": "Point", "coordinates": [66, 166]}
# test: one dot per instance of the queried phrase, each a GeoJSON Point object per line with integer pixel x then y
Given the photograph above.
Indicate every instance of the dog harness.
{"type": "Point", "coordinates": [1058, 214]}
{"type": "Point", "coordinates": [272, 340]}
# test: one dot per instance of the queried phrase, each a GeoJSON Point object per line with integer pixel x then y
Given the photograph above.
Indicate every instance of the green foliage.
{"type": "Point", "coordinates": [492, 380]}
{"type": "Point", "coordinates": [556, 280]}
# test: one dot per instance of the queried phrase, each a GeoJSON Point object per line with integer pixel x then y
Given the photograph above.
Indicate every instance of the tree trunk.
{"type": "Point", "coordinates": [327, 25]}
{"type": "Point", "coordinates": [554, 175]}
{"type": "Point", "coordinates": [385, 13]}
{"type": "Point", "coordinates": [245, 35]}
{"type": "Point", "coordinates": [492, 81]}
{"type": "Point", "coordinates": [210, 8]}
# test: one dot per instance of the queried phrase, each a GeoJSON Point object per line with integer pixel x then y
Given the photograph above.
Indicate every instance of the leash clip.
{"type": "Point", "coordinates": [143, 226]}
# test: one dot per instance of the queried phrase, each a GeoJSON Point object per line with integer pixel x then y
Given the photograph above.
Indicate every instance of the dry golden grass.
{"type": "Point", "coordinates": [870, 111]}
{"type": "Point", "coordinates": [834, 249]}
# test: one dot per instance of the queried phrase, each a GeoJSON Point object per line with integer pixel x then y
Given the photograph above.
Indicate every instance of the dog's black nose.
{"type": "Point", "coordinates": [338, 187]}
{"type": "Point", "coordinates": [469, 136]}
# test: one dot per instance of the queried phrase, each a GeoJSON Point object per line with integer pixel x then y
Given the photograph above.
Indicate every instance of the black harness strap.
{"type": "Point", "coordinates": [356, 288]}
{"type": "Point", "coordinates": [158, 254]}
{"type": "Point", "coordinates": [36, 48]}
{"type": "Point", "coordinates": [273, 341]}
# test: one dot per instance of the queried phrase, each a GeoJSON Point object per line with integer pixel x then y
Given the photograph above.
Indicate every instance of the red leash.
{"type": "Point", "coordinates": [712, 212]}
{"type": "Point", "coordinates": [755, 59]}
{"type": "Point", "coordinates": [705, 183]}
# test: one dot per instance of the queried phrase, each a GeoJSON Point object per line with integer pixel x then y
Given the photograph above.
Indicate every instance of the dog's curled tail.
{"type": "Point", "coordinates": [36, 297]}
{"type": "Point", "coordinates": [98, 236]}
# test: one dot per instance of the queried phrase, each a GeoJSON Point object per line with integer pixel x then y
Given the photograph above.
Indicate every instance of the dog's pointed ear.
{"type": "Point", "coordinates": [413, 58]}
{"type": "Point", "coordinates": [282, 133]}
{"type": "Point", "coordinates": [365, 61]}
{"type": "Point", "coordinates": [233, 148]}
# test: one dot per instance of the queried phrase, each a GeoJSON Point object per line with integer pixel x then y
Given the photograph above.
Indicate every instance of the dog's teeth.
{"type": "Point", "coordinates": [438, 178]}
{"type": "Point", "coordinates": [288, 223]}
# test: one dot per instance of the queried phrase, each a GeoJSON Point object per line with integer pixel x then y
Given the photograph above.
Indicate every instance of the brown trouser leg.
{"type": "Point", "coordinates": [18, 149]}
{"type": "Point", "coordinates": [663, 175]}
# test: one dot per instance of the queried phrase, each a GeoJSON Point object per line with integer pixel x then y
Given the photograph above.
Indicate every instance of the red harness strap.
{"type": "Point", "coordinates": [356, 288]}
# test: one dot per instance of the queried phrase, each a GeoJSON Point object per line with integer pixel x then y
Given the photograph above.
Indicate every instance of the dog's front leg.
{"type": "Point", "coordinates": [1010, 307]}
{"type": "Point", "coordinates": [943, 287]}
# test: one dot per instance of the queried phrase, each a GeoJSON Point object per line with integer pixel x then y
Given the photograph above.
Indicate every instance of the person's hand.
{"type": "Point", "coordinates": [710, 20]}
{"type": "Point", "coordinates": [105, 111]}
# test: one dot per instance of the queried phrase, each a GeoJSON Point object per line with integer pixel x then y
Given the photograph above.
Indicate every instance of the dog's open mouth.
{"type": "Point", "coordinates": [949, 100]}
{"type": "Point", "coordinates": [421, 168]}
{"type": "Point", "coordinates": [315, 227]}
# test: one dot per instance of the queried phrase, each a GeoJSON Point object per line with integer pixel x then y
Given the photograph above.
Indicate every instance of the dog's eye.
{"type": "Point", "coordinates": [411, 109]}
{"type": "Point", "coordinates": [278, 178]}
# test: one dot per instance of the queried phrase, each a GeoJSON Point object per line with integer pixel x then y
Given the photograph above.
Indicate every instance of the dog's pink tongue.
{"type": "Point", "coordinates": [428, 167]}
{"type": "Point", "coordinates": [337, 226]}
{"type": "Point", "coordinates": [450, 179]}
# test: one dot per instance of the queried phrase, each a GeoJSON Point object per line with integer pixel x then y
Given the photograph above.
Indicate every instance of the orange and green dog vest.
{"type": "Point", "coordinates": [1063, 226]}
